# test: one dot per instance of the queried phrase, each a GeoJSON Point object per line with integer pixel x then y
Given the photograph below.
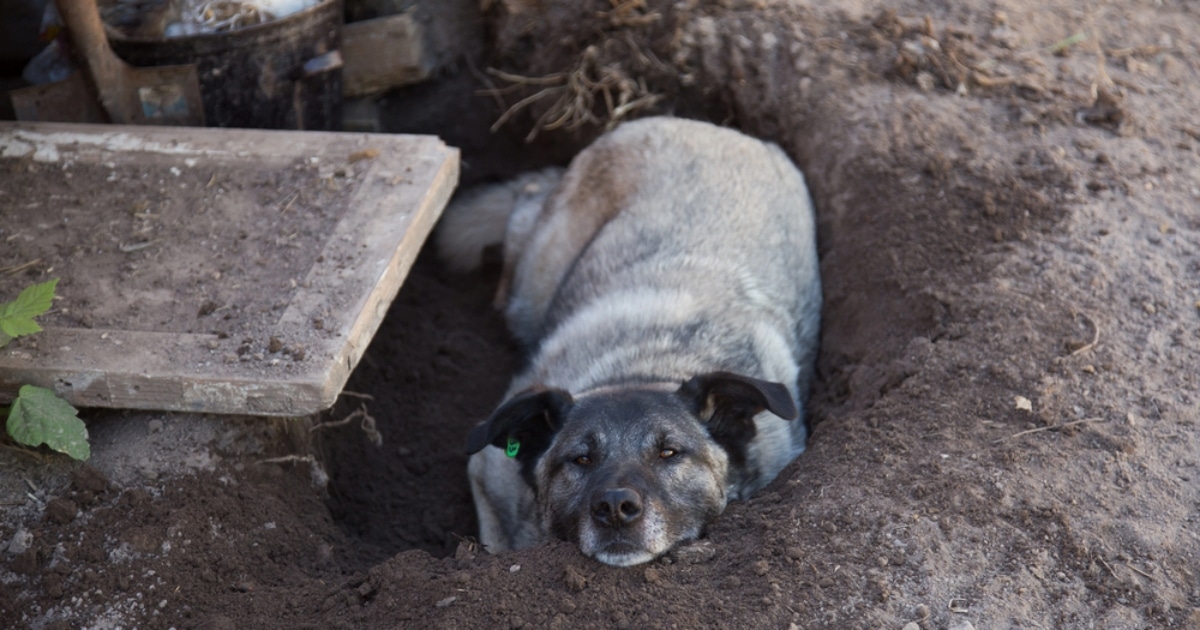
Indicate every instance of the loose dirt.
{"type": "Point", "coordinates": [1005, 427]}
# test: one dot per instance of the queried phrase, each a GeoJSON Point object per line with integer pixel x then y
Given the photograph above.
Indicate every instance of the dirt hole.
{"type": "Point", "coordinates": [905, 194]}
{"type": "Point", "coordinates": [443, 357]}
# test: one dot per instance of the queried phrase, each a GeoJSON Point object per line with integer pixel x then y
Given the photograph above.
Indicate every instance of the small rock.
{"type": "Point", "coordinates": [922, 611]}
{"type": "Point", "coordinates": [962, 625]}
{"type": "Point", "coordinates": [155, 425]}
{"type": "Point", "coordinates": [912, 625]}
{"type": "Point", "coordinates": [514, 568]}
{"type": "Point", "coordinates": [20, 541]}
{"type": "Point", "coordinates": [567, 606]}
{"type": "Point", "coordinates": [926, 81]}
{"type": "Point", "coordinates": [695, 552]}
{"type": "Point", "coordinates": [761, 567]}
{"type": "Point", "coordinates": [795, 552]}
{"type": "Point", "coordinates": [274, 345]}
{"type": "Point", "coordinates": [1150, 308]}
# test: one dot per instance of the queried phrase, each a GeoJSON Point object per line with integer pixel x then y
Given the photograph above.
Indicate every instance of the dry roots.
{"type": "Point", "coordinates": [575, 93]}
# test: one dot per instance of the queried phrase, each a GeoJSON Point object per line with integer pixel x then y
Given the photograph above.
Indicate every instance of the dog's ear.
{"type": "Point", "coordinates": [524, 425]}
{"type": "Point", "coordinates": [726, 403]}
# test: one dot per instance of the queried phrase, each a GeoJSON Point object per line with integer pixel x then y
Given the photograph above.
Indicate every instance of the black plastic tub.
{"type": "Point", "coordinates": [282, 74]}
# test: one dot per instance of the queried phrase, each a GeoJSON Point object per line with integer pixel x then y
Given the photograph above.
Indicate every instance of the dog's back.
{"type": "Point", "coordinates": [671, 248]}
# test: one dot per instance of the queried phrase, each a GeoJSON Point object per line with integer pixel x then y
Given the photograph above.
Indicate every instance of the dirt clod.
{"type": "Point", "coordinates": [574, 579]}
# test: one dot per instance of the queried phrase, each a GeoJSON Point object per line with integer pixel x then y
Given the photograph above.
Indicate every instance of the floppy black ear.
{"type": "Point", "coordinates": [528, 420]}
{"type": "Point", "coordinates": [726, 403]}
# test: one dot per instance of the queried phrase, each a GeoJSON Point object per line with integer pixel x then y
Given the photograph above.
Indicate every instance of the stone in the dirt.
{"type": "Point", "coordinates": [962, 625]}
{"type": "Point", "coordinates": [20, 541]}
{"type": "Point", "coordinates": [696, 552]}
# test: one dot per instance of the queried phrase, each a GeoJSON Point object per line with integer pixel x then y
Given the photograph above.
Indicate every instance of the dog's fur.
{"type": "Point", "coordinates": [667, 292]}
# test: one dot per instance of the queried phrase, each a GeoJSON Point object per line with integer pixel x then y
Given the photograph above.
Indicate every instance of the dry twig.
{"type": "Point", "coordinates": [1140, 572]}
{"type": "Point", "coordinates": [19, 268]}
{"type": "Point", "coordinates": [1050, 427]}
{"type": "Point", "coordinates": [1095, 335]}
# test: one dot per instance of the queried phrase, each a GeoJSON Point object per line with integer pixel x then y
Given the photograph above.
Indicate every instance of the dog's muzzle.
{"type": "Point", "coordinates": [622, 528]}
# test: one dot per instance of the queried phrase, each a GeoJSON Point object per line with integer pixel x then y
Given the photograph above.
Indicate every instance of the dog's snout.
{"type": "Point", "coordinates": [617, 507]}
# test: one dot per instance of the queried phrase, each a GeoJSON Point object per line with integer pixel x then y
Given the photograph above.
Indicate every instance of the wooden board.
{"type": "Point", "coordinates": [398, 188]}
{"type": "Point", "coordinates": [383, 53]}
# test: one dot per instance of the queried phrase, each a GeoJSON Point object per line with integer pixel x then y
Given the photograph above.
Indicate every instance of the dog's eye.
{"type": "Point", "coordinates": [667, 453]}
{"type": "Point", "coordinates": [583, 460]}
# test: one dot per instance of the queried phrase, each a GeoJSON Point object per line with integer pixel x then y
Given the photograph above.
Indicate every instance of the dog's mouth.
{"type": "Point", "coordinates": [622, 553]}
{"type": "Point", "coordinates": [624, 547]}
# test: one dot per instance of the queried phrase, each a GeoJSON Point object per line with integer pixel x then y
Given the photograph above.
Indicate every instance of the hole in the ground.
{"type": "Point", "coordinates": [892, 221]}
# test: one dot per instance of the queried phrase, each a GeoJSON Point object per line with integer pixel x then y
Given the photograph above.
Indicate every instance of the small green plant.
{"type": "Point", "coordinates": [38, 416]}
{"type": "Point", "coordinates": [16, 317]}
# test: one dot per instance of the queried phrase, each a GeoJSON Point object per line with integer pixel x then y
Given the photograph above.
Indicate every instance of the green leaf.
{"type": "Point", "coordinates": [38, 416]}
{"type": "Point", "coordinates": [16, 317]}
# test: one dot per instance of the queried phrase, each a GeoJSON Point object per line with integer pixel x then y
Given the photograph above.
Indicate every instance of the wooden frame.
{"type": "Point", "coordinates": [405, 187]}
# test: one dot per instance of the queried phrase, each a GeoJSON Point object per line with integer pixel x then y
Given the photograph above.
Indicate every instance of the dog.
{"type": "Point", "coordinates": [667, 295]}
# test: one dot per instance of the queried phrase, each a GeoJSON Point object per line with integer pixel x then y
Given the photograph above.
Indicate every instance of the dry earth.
{"type": "Point", "coordinates": [1006, 421]}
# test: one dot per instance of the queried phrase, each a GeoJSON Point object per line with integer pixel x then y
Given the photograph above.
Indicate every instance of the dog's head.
{"type": "Point", "coordinates": [628, 472]}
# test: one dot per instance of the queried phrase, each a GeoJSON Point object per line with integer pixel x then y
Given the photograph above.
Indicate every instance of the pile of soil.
{"type": "Point", "coordinates": [1005, 421]}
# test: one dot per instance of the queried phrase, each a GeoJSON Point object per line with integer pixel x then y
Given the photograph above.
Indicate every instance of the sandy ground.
{"type": "Point", "coordinates": [1005, 424]}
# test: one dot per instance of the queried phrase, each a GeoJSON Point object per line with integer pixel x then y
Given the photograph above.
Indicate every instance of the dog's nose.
{"type": "Point", "coordinates": [617, 507]}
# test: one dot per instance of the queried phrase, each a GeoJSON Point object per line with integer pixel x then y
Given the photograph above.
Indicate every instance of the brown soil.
{"type": "Point", "coordinates": [165, 245]}
{"type": "Point", "coordinates": [1005, 425]}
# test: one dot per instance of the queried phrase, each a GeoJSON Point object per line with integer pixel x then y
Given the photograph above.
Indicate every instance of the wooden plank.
{"type": "Point", "coordinates": [352, 280]}
{"type": "Point", "coordinates": [383, 53]}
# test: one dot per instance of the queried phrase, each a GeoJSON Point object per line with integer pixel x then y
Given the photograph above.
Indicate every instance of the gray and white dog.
{"type": "Point", "coordinates": [667, 293]}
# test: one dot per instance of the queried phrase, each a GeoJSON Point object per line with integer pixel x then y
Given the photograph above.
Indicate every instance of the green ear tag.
{"type": "Point", "coordinates": [513, 447]}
